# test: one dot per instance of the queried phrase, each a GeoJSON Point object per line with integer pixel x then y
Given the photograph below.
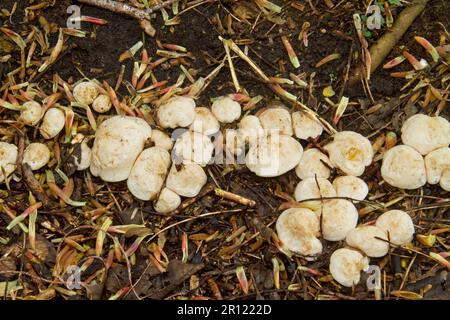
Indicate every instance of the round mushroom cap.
{"type": "Point", "coordinates": [178, 111]}
{"type": "Point", "coordinates": [118, 142]}
{"type": "Point", "coordinates": [312, 188]}
{"type": "Point", "coordinates": [368, 240]}
{"type": "Point", "coordinates": [273, 155]}
{"type": "Point", "coordinates": [193, 147]}
{"type": "Point", "coordinates": [305, 127]}
{"type": "Point", "coordinates": [102, 104]}
{"type": "Point", "coordinates": [346, 266]}
{"type": "Point", "coordinates": [298, 229]}
{"type": "Point", "coordinates": [403, 167]}
{"type": "Point", "coordinates": [425, 133]}
{"type": "Point", "coordinates": [350, 152]}
{"type": "Point", "coordinates": [277, 119]}
{"type": "Point", "coordinates": [339, 216]}
{"type": "Point", "coordinates": [351, 187]}
{"type": "Point", "coordinates": [53, 122]}
{"type": "Point", "coordinates": [148, 173]}
{"type": "Point", "coordinates": [398, 225]}
{"type": "Point", "coordinates": [161, 140]}
{"type": "Point", "coordinates": [85, 157]}
{"type": "Point", "coordinates": [313, 164]}
{"type": "Point", "coordinates": [31, 114]}
{"type": "Point", "coordinates": [204, 122]}
{"type": "Point", "coordinates": [85, 92]}
{"type": "Point", "coordinates": [250, 128]}
{"type": "Point", "coordinates": [437, 162]}
{"type": "Point", "coordinates": [226, 109]}
{"type": "Point", "coordinates": [36, 155]}
{"type": "Point", "coordinates": [8, 158]}
{"type": "Point", "coordinates": [168, 201]}
{"type": "Point", "coordinates": [187, 181]}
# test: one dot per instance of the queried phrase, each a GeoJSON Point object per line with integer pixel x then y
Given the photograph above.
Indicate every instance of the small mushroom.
{"type": "Point", "coordinates": [225, 109]}
{"type": "Point", "coordinates": [371, 240]}
{"type": "Point", "coordinates": [85, 158]}
{"type": "Point", "coordinates": [234, 142]}
{"type": "Point", "coordinates": [350, 152]}
{"type": "Point", "coordinates": [167, 202]}
{"type": "Point", "coordinates": [53, 122]}
{"type": "Point", "coordinates": [351, 187]}
{"type": "Point", "coordinates": [161, 140]}
{"type": "Point", "coordinates": [437, 165]}
{"type": "Point", "coordinates": [398, 225]}
{"type": "Point", "coordinates": [339, 216]}
{"type": "Point", "coordinates": [31, 114]}
{"type": "Point", "coordinates": [8, 158]}
{"type": "Point", "coordinates": [204, 122]}
{"type": "Point", "coordinates": [187, 181]}
{"type": "Point", "coordinates": [178, 111]}
{"type": "Point", "coordinates": [102, 104]}
{"type": "Point", "coordinates": [314, 188]}
{"type": "Point", "coordinates": [425, 133]}
{"type": "Point", "coordinates": [276, 118]}
{"type": "Point", "coordinates": [250, 128]}
{"type": "Point", "coordinates": [346, 266]}
{"type": "Point", "coordinates": [313, 164]}
{"type": "Point", "coordinates": [85, 92]}
{"type": "Point", "coordinates": [305, 127]}
{"type": "Point", "coordinates": [36, 155]}
{"type": "Point", "coordinates": [298, 229]}
{"type": "Point", "coordinates": [403, 167]}
{"type": "Point", "coordinates": [193, 147]}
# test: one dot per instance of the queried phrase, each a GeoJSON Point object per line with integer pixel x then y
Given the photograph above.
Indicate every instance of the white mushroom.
{"type": "Point", "coordinates": [204, 122]}
{"type": "Point", "coordinates": [398, 225]}
{"type": "Point", "coordinates": [339, 216]}
{"type": "Point", "coordinates": [350, 152]}
{"type": "Point", "coordinates": [85, 157]}
{"type": "Point", "coordinates": [148, 173]}
{"type": "Point", "coordinates": [276, 118]}
{"type": "Point", "coordinates": [31, 114]}
{"type": "Point", "coordinates": [437, 165]}
{"type": "Point", "coordinates": [226, 109]}
{"type": "Point", "coordinates": [313, 164]}
{"type": "Point", "coordinates": [53, 122]}
{"type": "Point", "coordinates": [178, 111]}
{"type": "Point", "coordinates": [36, 155]}
{"type": "Point", "coordinates": [8, 158]}
{"type": "Point", "coordinates": [346, 266]}
{"type": "Point", "coordinates": [85, 92]}
{"type": "Point", "coordinates": [403, 167]}
{"type": "Point", "coordinates": [118, 142]}
{"type": "Point", "coordinates": [369, 239]}
{"type": "Point", "coordinates": [425, 133]}
{"type": "Point", "coordinates": [250, 128]}
{"type": "Point", "coordinates": [351, 187]}
{"type": "Point", "coordinates": [298, 229]}
{"type": "Point", "coordinates": [167, 202]}
{"type": "Point", "coordinates": [102, 104]}
{"type": "Point", "coordinates": [161, 140]}
{"type": "Point", "coordinates": [193, 147]}
{"type": "Point", "coordinates": [312, 188]}
{"type": "Point", "coordinates": [234, 142]}
{"type": "Point", "coordinates": [187, 181]}
{"type": "Point", "coordinates": [305, 127]}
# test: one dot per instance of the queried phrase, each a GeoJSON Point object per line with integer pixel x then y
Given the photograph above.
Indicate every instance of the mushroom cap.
{"type": "Point", "coordinates": [8, 158]}
{"type": "Point", "coordinates": [278, 119]}
{"type": "Point", "coordinates": [312, 165]}
{"type": "Point", "coordinates": [102, 104]}
{"type": "Point", "coordinates": [226, 109]}
{"type": "Point", "coordinates": [85, 159]}
{"type": "Point", "coordinates": [187, 181]}
{"type": "Point", "coordinates": [312, 188]}
{"type": "Point", "coordinates": [339, 216]}
{"type": "Point", "coordinates": [161, 139]}
{"type": "Point", "coordinates": [36, 155]}
{"type": "Point", "coordinates": [168, 201]}
{"type": "Point", "coordinates": [425, 133]}
{"type": "Point", "coordinates": [350, 152]}
{"type": "Point", "coordinates": [234, 142]}
{"type": "Point", "coordinates": [305, 127]}
{"type": "Point", "coordinates": [148, 173]}
{"type": "Point", "coordinates": [445, 180]}
{"type": "Point", "coordinates": [398, 225]}
{"type": "Point", "coordinates": [273, 155]}
{"type": "Point", "coordinates": [118, 142]}
{"type": "Point", "coordinates": [367, 239]}
{"type": "Point", "coordinates": [346, 266]}
{"type": "Point", "coordinates": [53, 122]}
{"type": "Point", "coordinates": [193, 147]}
{"type": "Point", "coordinates": [351, 187]}
{"type": "Point", "coordinates": [178, 111]}
{"type": "Point", "coordinates": [204, 122]}
{"type": "Point", "coordinates": [298, 229]}
{"type": "Point", "coordinates": [250, 128]}
{"type": "Point", "coordinates": [85, 92]}
{"type": "Point", "coordinates": [403, 167]}
{"type": "Point", "coordinates": [437, 162]}
{"type": "Point", "coordinates": [32, 113]}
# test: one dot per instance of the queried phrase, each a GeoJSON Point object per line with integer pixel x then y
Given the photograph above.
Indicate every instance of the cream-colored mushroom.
{"type": "Point", "coordinates": [314, 188]}
{"type": "Point", "coordinates": [204, 122]}
{"type": "Point", "coordinates": [178, 111]}
{"type": "Point", "coordinates": [36, 155]}
{"type": "Point", "coordinates": [425, 133]}
{"type": "Point", "coordinates": [346, 266]}
{"type": "Point", "coordinates": [351, 187]}
{"type": "Point", "coordinates": [250, 129]}
{"type": "Point", "coordinates": [102, 104]}
{"type": "Point", "coordinates": [234, 142]}
{"type": "Point", "coordinates": [31, 114]}
{"type": "Point", "coordinates": [85, 92]}
{"type": "Point", "coordinates": [305, 127]}
{"type": "Point", "coordinates": [187, 180]}
{"type": "Point", "coordinates": [403, 167]}
{"type": "Point", "coordinates": [350, 152]}
{"type": "Point", "coordinates": [298, 229]}
{"type": "Point", "coordinates": [8, 158]}
{"type": "Point", "coordinates": [226, 110]}
{"type": "Point", "coordinates": [168, 201]}
{"type": "Point", "coordinates": [371, 240]}
{"type": "Point", "coordinates": [278, 119]}
{"type": "Point", "coordinates": [313, 164]}
{"type": "Point", "coordinates": [339, 216]}
{"type": "Point", "coordinates": [161, 139]}
{"type": "Point", "coordinates": [53, 122]}
{"type": "Point", "coordinates": [193, 147]}
{"type": "Point", "coordinates": [437, 165]}
{"type": "Point", "coordinates": [118, 142]}
{"type": "Point", "coordinates": [398, 225]}
{"type": "Point", "coordinates": [85, 157]}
